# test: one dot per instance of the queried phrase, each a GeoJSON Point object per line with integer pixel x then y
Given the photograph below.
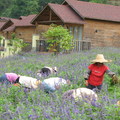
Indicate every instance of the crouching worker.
{"type": "Point", "coordinates": [28, 82]}
{"type": "Point", "coordinates": [46, 71]}
{"type": "Point", "coordinates": [95, 74]}
{"type": "Point", "coordinates": [82, 94]}
{"type": "Point", "coordinates": [9, 78]}
{"type": "Point", "coordinates": [54, 83]}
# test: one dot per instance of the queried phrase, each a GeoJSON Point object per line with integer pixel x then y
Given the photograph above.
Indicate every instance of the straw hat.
{"type": "Point", "coordinates": [100, 58]}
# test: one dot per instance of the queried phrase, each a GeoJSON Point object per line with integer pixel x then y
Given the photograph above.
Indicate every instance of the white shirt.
{"type": "Point", "coordinates": [55, 81]}
{"type": "Point", "coordinates": [28, 82]}
{"type": "Point", "coordinates": [85, 93]}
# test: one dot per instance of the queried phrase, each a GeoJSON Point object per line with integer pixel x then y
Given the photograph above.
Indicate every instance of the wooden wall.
{"type": "Point", "coordinates": [25, 33]}
{"type": "Point", "coordinates": [41, 29]}
{"type": "Point", "coordinates": [1, 34]}
{"type": "Point", "coordinates": [102, 33]}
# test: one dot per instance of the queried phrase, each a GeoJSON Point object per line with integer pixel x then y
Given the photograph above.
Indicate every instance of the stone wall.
{"type": "Point", "coordinates": [102, 33]}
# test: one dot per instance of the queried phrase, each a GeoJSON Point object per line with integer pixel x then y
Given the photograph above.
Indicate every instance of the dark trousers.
{"type": "Point", "coordinates": [99, 87]}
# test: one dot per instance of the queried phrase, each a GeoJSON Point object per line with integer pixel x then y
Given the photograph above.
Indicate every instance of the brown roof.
{"type": "Point", "coordinates": [73, 11]}
{"type": "Point", "coordinates": [1, 24]}
{"type": "Point", "coordinates": [66, 14]}
{"type": "Point", "coordinates": [4, 18]}
{"type": "Point", "coordinates": [23, 21]}
{"type": "Point", "coordinates": [7, 24]}
{"type": "Point", "coordinates": [95, 10]}
{"type": "Point", "coordinates": [12, 27]}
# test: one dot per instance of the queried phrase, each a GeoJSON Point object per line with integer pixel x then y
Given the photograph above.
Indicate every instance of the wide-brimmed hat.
{"type": "Point", "coordinates": [100, 58]}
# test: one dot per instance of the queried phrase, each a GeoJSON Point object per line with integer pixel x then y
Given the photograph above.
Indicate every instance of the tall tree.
{"type": "Point", "coordinates": [99, 1]}
{"type": "Point", "coordinates": [16, 8]}
{"type": "Point", "coordinates": [4, 5]}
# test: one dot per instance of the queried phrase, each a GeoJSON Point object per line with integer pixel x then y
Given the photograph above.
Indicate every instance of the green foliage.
{"type": "Point", "coordinates": [16, 43]}
{"type": "Point", "coordinates": [112, 113]}
{"type": "Point", "coordinates": [11, 96]}
{"type": "Point", "coordinates": [1, 38]}
{"type": "Point", "coordinates": [99, 1]}
{"type": "Point", "coordinates": [4, 4]}
{"type": "Point", "coordinates": [17, 8]}
{"type": "Point", "coordinates": [16, 104]}
{"type": "Point", "coordinates": [58, 36]}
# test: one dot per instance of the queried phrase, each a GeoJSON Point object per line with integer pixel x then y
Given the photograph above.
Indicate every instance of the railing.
{"type": "Point", "coordinates": [81, 45]}
{"type": "Point", "coordinates": [85, 45]}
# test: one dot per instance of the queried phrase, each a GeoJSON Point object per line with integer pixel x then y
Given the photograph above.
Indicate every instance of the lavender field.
{"type": "Point", "coordinates": [17, 103]}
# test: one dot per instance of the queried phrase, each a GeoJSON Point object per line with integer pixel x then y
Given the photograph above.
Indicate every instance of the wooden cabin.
{"type": "Point", "coordinates": [21, 27]}
{"type": "Point", "coordinates": [91, 24]}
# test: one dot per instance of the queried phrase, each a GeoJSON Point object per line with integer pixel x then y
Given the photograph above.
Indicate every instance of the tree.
{"type": "Point", "coordinates": [4, 4]}
{"type": "Point", "coordinates": [1, 38]}
{"type": "Point", "coordinates": [17, 8]}
{"type": "Point", "coordinates": [99, 1]}
{"type": "Point", "coordinates": [58, 37]}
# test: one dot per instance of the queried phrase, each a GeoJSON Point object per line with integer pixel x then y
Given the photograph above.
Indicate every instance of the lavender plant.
{"type": "Point", "coordinates": [19, 103]}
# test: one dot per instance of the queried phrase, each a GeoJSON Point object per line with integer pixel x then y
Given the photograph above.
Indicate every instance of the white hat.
{"type": "Point", "coordinates": [55, 69]}
{"type": "Point", "coordinates": [100, 58]}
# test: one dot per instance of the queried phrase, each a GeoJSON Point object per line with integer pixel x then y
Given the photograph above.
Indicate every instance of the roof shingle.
{"type": "Point", "coordinates": [23, 21]}
{"type": "Point", "coordinates": [66, 14]}
{"type": "Point", "coordinates": [1, 24]}
{"type": "Point", "coordinates": [96, 10]}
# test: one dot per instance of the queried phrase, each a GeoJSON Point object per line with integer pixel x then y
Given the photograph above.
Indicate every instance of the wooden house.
{"type": "Point", "coordinates": [3, 22]}
{"type": "Point", "coordinates": [91, 24]}
{"type": "Point", "coordinates": [21, 27]}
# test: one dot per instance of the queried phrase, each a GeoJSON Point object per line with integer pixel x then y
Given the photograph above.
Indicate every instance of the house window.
{"type": "Point", "coordinates": [76, 31]}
